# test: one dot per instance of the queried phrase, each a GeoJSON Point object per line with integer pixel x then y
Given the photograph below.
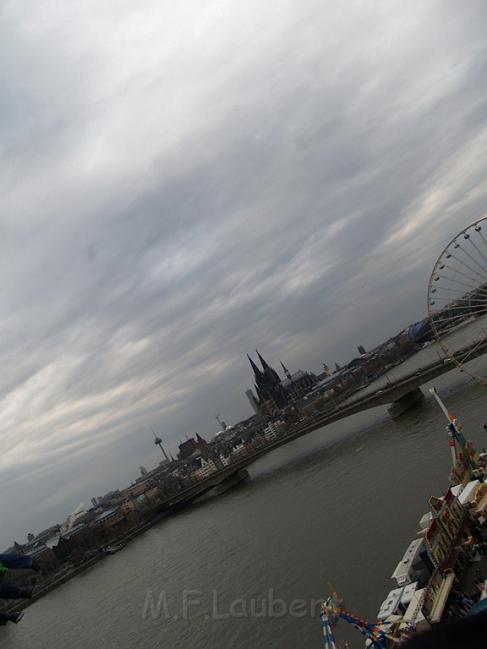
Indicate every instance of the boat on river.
{"type": "Point", "coordinates": [113, 549]}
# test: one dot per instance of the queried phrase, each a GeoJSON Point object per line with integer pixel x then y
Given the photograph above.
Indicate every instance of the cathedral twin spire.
{"type": "Point", "coordinates": [267, 381]}
{"type": "Point", "coordinates": [286, 371]}
{"type": "Point", "coordinates": [257, 371]}
{"type": "Point", "coordinates": [267, 371]}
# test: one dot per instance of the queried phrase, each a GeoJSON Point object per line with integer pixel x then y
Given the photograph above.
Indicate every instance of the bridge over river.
{"type": "Point", "coordinates": [399, 388]}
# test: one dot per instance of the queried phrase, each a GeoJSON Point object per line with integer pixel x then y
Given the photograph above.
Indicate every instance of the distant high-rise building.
{"type": "Point", "coordinates": [94, 502]}
{"type": "Point", "coordinates": [143, 471]}
{"type": "Point", "coordinates": [252, 400]}
{"type": "Point", "coordinates": [361, 350]}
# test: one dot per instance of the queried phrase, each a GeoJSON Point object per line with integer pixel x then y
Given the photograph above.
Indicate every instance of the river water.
{"type": "Point", "coordinates": [243, 570]}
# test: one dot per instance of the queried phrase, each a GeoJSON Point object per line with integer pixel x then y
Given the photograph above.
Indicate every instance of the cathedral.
{"type": "Point", "coordinates": [274, 394]}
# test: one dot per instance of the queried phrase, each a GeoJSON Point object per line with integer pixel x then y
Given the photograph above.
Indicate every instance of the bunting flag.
{"type": "Point", "coordinates": [368, 629]}
{"type": "Point", "coordinates": [331, 612]}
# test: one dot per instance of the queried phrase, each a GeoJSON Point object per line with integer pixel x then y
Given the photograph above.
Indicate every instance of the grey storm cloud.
{"type": "Point", "coordinates": [182, 183]}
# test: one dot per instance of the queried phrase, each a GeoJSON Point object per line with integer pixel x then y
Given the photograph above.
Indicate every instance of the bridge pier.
{"type": "Point", "coordinates": [234, 479]}
{"type": "Point", "coordinates": [405, 402]}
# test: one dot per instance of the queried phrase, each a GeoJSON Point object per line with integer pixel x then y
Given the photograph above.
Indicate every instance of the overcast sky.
{"type": "Point", "coordinates": [183, 182]}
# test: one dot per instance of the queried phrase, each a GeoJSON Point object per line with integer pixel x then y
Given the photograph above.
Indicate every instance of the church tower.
{"type": "Point", "coordinates": [268, 384]}
{"type": "Point", "coordinates": [286, 371]}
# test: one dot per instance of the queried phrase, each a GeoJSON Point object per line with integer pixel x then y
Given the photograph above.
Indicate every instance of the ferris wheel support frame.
{"type": "Point", "coordinates": [446, 253]}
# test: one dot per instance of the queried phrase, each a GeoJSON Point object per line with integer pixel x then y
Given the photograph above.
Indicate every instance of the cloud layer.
{"type": "Point", "coordinates": [184, 182]}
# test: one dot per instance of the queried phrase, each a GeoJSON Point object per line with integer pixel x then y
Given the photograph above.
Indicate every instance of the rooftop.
{"type": "Point", "coordinates": [294, 377]}
{"type": "Point", "coordinates": [105, 514]}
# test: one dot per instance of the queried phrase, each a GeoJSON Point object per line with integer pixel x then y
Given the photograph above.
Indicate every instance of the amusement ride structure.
{"type": "Point", "coordinates": [457, 308]}
{"type": "Point", "coordinates": [457, 300]}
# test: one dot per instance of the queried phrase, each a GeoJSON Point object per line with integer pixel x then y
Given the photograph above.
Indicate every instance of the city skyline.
{"type": "Point", "coordinates": [259, 178]}
{"type": "Point", "coordinates": [303, 390]}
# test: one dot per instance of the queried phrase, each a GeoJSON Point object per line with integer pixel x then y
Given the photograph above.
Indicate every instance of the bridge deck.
{"type": "Point", "coordinates": [394, 391]}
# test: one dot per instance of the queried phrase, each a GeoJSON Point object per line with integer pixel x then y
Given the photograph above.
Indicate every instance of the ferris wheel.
{"type": "Point", "coordinates": [457, 300]}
